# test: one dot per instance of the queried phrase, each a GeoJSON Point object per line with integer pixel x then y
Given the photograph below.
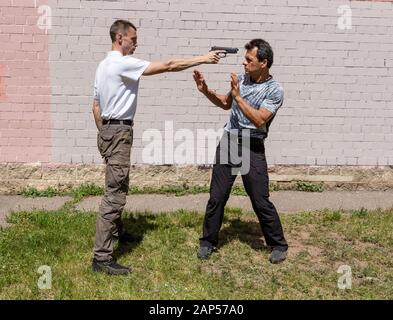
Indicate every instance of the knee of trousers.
{"type": "Point", "coordinates": [216, 202]}
{"type": "Point", "coordinates": [113, 202]}
{"type": "Point", "coordinates": [263, 206]}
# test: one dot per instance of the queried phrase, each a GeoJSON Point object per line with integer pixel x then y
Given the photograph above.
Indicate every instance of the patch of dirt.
{"type": "Point", "coordinates": [298, 241]}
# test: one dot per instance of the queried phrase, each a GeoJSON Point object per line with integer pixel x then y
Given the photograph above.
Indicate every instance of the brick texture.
{"type": "Point", "coordinates": [338, 82]}
{"type": "Point", "coordinates": [25, 112]}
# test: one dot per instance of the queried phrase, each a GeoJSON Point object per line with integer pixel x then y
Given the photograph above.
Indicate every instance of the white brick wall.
{"type": "Point", "coordinates": [338, 83]}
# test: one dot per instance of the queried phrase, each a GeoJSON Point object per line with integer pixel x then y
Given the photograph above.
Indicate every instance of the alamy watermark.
{"type": "Point", "coordinates": [183, 147]}
{"type": "Point", "coordinates": [345, 281]}
{"type": "Point", "coordinates": [45, 280]}
{"type": "Point", "coordinates": [45, 17]}
{"type": "Point", "coordinates": [345, 20]}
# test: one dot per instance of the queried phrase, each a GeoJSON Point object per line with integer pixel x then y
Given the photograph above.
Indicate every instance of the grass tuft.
{"type": "Point", "coordinates": [86, 189]}
{"type": "Point", "coordinates": [165, 266]}
{"type": "Point", "coordinates": [308, 186]}
{"type": "Point", "coordinates": [31, 192]}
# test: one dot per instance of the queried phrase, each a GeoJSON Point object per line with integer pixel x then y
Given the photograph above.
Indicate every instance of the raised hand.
{"type": "Point", "coordinates": [200, 81]}
{"type": "Point", "coordinates": [235, 90]}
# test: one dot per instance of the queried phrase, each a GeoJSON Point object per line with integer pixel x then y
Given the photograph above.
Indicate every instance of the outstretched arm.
{"type": "Point", "coordinates": [220, 100]}
{"type": "Point", "coordinates": [174, 65]}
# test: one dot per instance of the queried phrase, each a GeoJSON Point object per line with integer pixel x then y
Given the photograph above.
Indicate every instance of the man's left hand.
{"type": "Point", "coordinates": [235, 90]}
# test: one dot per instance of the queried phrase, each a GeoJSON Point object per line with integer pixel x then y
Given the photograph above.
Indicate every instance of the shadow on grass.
{"type": "Point", "coordinates": [248, 232]}
{"type": "Point", "coordinates": [137, 226]}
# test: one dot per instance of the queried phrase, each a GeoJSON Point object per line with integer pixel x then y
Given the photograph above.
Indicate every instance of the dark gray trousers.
{"type": "Point", "coordinates": [114, 143]}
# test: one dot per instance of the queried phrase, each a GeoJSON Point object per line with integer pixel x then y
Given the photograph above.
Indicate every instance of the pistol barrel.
{"type": "Point", "coordinates": [226, 49]}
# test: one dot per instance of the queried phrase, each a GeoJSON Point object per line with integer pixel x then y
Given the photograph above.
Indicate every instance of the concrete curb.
{"type": "Point", "coordinates": [285, 202]}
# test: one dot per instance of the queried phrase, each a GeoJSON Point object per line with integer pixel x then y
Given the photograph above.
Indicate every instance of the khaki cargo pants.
{"type": "Point", "coordinates": [114, 142]}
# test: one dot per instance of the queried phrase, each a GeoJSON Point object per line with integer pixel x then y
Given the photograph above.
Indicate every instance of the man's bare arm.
{"type": "Point", "coordinates": [220, 100]}
{"type": "Point", "coordinates": [97, 114]}
{"type": "Point", "coordinates": [174, 65]}
{"type": "Point", "coordinates": [257, 117]}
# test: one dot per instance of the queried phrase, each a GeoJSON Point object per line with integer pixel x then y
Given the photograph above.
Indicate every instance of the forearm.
{"type": "Point", "coordinates": [219, 100]}
{"type": "Point", "coordinates": [174, 65]}
{"type": "Point", "coordinates": [251, 114]}
{"type": "Point", "coordinates": [97, 114]}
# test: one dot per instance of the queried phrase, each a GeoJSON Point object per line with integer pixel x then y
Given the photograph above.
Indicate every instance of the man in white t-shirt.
{"type": "Point", "coordinates": [115, 100]}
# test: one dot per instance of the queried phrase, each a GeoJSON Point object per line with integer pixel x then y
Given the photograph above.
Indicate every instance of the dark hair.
{"type": "Point", "coordinates": [265, 51]}
{"type": "Point", "coordinates": [121, 26]}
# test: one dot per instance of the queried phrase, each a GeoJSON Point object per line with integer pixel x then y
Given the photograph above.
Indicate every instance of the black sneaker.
{"type": "Point", "coordinates": [278, 256]}
{"type": "Point", "coordinates": [110, 267]}
{"type": "Point", "coordinates": [127, 237]}
{"type": "Point", "coordinates": [204, 253]}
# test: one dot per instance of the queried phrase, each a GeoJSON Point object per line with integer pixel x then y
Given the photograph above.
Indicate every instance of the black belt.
{"type": "Point", "coordinates": [113, 121]}
{"type": "Point", "coordinates": [252, 140]}
{"type": "Point", "coordinates": [255, 144]}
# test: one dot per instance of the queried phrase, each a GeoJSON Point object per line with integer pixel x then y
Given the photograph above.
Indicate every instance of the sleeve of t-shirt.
{"type": "Point", "coordinates": [274, 100]}
{"type": "Point", "coordinates": [133, 68]}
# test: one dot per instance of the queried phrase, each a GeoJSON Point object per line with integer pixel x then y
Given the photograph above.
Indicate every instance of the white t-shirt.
{"type": "Point", "coordinates": [116, 85]}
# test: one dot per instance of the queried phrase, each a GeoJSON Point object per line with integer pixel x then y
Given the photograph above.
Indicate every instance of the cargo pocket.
{"type": "Point", "coordinates": [118, 178]}
{"type": "Point", "coordinates": [121, 148]}
{"type": "Point", "coordinates": [104, 143]}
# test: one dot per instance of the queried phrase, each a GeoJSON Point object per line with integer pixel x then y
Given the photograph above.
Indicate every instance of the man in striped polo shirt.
{"type": "Point", "coordinates": [253, 100]}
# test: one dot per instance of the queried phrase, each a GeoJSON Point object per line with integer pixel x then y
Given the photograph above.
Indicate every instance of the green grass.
{"type": "Point", "coordinates": [180, 190]}
{"type": "Point", "coordinates": [32, 192]}
{"type": "Point", "coordinates": [308, 186]}
{"type": "Point", "coordinates": [165, 266]}
{"type": "Point", "coordinates": [91, 189]}
{"type": "Point", "coordinates": [86, 189]}
{"type": "Point", "coordinates": [77, 193]}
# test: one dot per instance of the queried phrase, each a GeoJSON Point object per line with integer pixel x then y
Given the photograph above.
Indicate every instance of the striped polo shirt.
{"type": "Point", "coordinates": [268, 95]}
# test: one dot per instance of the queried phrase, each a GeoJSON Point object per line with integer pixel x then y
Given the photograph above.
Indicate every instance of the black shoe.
{"type": "Point", "coordinates": [127, 237]}
{"type": "Point", "coordinates": [278, 256]}
{"type": "Point", "coordinates": [110, 267]}
{"type": "Point", "coordinates": [204, 253]}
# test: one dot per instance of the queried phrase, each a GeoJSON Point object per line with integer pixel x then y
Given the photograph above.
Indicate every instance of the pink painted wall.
{"type": "Point", "coordinates": [25, 118]}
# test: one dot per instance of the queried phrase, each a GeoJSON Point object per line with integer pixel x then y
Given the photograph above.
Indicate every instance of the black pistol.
{"type": "Point", "coordinates": [226, 49]}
